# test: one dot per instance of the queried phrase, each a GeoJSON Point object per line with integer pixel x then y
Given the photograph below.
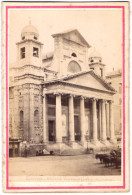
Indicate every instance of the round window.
{"type": "Point", "coordinates": [74, 67]}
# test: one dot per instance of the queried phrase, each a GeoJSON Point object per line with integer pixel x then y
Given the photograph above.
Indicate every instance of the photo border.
{"type": "Point", "coordinates": [123, 87]}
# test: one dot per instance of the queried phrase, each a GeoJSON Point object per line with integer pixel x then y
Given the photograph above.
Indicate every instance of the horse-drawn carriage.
{"type": "Point", "coordinates": [110, 159]}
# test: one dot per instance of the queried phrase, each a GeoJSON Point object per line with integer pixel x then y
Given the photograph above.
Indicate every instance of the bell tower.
{"type": "Point", "coordinates": [29, 49]}
{"type": "Point", "coordinates": [95, 64]}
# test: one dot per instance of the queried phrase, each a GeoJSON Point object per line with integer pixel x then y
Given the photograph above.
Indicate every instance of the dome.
{"type": "Point", "coordinates": [29, 29]}
{"type": "Point", "coordinates": [95, 54]}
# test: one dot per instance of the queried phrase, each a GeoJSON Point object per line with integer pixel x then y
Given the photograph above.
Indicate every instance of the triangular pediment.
{"type": "Point", "coordinates": [90, 80]}
{"type": "Point", "coordinates": [74, 36]}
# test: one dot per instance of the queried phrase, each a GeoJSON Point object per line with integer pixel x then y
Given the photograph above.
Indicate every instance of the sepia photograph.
{"type": "Point", "coordinates": [65, 81]}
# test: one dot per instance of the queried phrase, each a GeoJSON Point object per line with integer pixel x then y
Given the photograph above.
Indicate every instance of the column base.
{"type": "Point", "coordinates": [58, 142]}
{"type": "Point", "coordinates": [82, 142]}
{"type": "Point", "coordinates": [113, 141]}
{"type": "Point", "coordinates": [45, 142]}
{"type": "Point", "coordinates": [103, 141]}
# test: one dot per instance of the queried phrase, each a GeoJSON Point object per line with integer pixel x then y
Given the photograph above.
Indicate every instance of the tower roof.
{"type": "Point", "coordinates": [95, 54]}
{"type": "Point", "coordinates": [29, 29]}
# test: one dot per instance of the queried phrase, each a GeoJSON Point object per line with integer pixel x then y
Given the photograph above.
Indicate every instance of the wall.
{"type": "Point", "coordinates": [115, 79]}
{"type": "Point", "coordinates": [64, 47]}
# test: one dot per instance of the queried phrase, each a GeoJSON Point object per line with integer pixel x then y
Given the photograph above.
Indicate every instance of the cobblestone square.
{"type": "Point", "coordinates": [80, 165]}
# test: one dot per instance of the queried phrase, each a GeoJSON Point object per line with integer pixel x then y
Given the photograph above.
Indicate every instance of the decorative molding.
{"type": "Point", "coordinates": [103, 100]}
{"type": "Point", "coordinates": [93, 99]}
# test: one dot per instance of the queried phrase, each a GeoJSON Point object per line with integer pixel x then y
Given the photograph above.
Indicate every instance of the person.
{"type": "Point", "coordinates": [25, 151]}
{"type": "Point", "coordinates": [45, 152]}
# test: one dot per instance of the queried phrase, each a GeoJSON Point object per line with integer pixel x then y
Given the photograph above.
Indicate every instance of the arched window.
{"type": "Point", "coordinates": [91, 60]}
{"type": "Point", "coordinates": [73, 67]}
{"type": "Point", "coordinates": [36, 118]}
{"type": "Point", "coordinates": [21, 119]}
{"type": "Point", "coordinates": [74, 55]}
{"type": "Point", "coordinates": [35, 37]}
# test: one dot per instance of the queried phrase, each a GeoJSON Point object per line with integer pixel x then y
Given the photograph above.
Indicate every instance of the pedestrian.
{"type": "Point", "coordinates": [25, 151]}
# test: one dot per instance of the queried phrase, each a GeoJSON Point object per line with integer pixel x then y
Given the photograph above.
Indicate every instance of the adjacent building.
{"type": "Point", "coordinates": [114, 78]}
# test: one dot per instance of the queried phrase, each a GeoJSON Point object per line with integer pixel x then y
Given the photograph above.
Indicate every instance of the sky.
{"type": "Point", "coordinates": [102, 29]}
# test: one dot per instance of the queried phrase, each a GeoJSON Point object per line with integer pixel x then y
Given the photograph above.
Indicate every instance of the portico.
{"type": "Point", "coordinates": [75, 111]}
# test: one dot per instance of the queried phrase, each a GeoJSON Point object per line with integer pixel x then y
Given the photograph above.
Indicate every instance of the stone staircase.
{"type": "Point", "coordinates": [66, 148]}
{"type": "Point", "coordinates": [77, 148]}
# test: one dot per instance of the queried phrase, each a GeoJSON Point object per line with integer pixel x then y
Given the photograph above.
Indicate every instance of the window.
{"type": "Point", "coordinates": [91, 61]}
{"type": "Point", "coordinates": [74, 55]}
{"type": "Point", "coordinates": [35, 52]}
{"type": "Point", "coordinates": [101, 72]}
{"type": "Point", "coordinates": [92, 68]}
{"type": "Point", "coordinates": [120, 89]}
{"type": "Point", "coordinates": [22, 52]}
{"type": "Point", "coordinates": [21, 119]}
{"type": "Point", "coordinates": [74, 67]}
{"type": "Point", "coordinates": [35, 37]}
{"type": "Point", "coordinates": [51, 100]}
{"type": "Point", "coordinates": [36, 118]}
{"type": "Point", "coordinates": [51, 111]}
{"type": "Point", "coordinates": [120, 101]}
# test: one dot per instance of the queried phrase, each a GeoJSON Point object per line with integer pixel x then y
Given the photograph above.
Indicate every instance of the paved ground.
{"type": "Point", "coordinates": [81, 165]}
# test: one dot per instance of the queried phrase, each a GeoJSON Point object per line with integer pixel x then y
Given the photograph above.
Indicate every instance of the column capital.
{"type": "Point", "coordinates": [103, 100]}
{"type": "Point", "coordinates": [44, 95]}
{"type": "Point", "coordinates": [72, 95]}
{"type": "Point", "coordinates": [82, 97]}
{"type": "Point", "coordinates": [110, 101]}
{"type": "Point", "coordinates": [93, 99]}
{"type": "Point", "coordinates": [57, 94]}
{"type": "Point", "coordinates": [107, 102]}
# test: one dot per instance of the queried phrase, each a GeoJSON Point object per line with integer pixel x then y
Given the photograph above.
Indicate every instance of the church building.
{"type": "Point", "coordinates": [59, 99]}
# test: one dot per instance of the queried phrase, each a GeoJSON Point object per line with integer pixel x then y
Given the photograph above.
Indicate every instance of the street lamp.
{"type": "Point", "coordinates": [87, 138]}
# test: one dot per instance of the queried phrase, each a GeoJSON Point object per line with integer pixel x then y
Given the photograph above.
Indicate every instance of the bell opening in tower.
{"type": "Point", "coordinates": [22, 52]}
{"type": "Point", "coordinates": [35, 52]}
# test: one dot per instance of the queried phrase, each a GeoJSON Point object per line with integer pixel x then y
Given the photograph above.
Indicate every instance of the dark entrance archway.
{"type": "Point", "coordinates": [77, 128]}
{"type": "Point", "coordinates": [51, 124]}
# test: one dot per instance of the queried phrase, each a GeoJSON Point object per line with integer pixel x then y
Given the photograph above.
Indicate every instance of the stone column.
{"type": "Point", "coordinates": [100, 126]}
{"type": "Point", "coordinates": [111, 121]}
{"type": "Point", "coordinates": [58, 119]}
{"type": "Point", "coordinates": [71, 119]}
{"type": "Point", "coordinates": [45, 130]}
{"type": "Point", "coordinates": [107, 119]}
{"type": "Point", "coordinates": [94, 111]}
{"type": "Point", "coordinates": [82, 119]}
{"type": "Point", "coordinates": [103, 121]}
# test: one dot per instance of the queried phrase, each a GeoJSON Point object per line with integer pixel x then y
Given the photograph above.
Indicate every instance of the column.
{"type": "Point", "coordinates": [103, 121]}
{"type": "Point", "coordinates": [100, 132]}
{"type": "Point", "coordinates": [58, 119]}
{"type": "Point", "coordinates": [71, 119]}
{"type": "Point", "coordinates": [111, 121]}
{"type": "Point", "coordinates": [82, 119]}
{"type": "Point", "coordinates": [107, 119]}
{"type": "Point", "coordinates": [45, 130]}
{"type": "Point", "coordinates": [94, 111]}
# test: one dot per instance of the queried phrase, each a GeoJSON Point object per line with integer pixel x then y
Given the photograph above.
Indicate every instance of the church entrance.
{"type": "Point", "coordinates": [77, 128]}
{"type": "Point", "coordinates": [51, 124]}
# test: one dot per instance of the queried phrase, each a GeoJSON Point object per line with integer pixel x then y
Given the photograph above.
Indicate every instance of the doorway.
{"type": "Point", "coordinates": [77, 128]}
{"type": "Point", "coordinates": [51, 124]}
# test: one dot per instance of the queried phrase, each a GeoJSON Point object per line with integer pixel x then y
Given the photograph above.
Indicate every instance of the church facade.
{"type": "Point", "coordinates": [60, 98]}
